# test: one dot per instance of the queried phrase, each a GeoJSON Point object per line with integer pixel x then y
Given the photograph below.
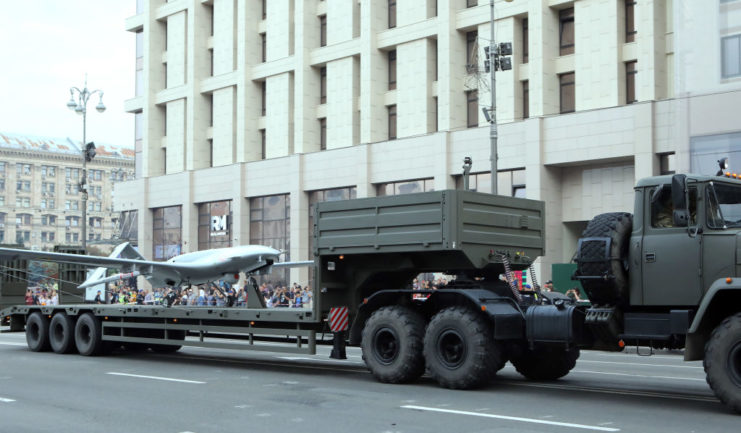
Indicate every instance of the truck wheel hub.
{"type": "Point", "coordinates": [451, 348]}
{"type": "Point", "coordinates": [386, 345]}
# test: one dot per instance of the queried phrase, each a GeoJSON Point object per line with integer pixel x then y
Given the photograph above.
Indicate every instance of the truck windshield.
{"type": "Point", "coordinates": [724, 206]}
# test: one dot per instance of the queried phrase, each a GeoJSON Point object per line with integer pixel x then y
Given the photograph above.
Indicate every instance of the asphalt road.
{"type": "Point", "coordinates": [205, 390]}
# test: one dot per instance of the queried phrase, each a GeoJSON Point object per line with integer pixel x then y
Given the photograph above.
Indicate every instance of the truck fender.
{"type": "Point", "coordinates": [722, 299]}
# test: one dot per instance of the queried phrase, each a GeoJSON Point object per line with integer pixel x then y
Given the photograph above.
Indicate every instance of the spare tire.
{"type": "Point", "coordinates": [611, 271]}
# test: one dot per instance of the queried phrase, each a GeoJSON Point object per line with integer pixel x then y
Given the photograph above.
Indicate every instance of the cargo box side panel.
{"type": "Point", "coordinates": [488, 223]}
{"type": "Point", "coordinates": [402, 223]}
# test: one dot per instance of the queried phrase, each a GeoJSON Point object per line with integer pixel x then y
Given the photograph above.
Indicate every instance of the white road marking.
{"type": "Point", "coordinates": [638, 375]}
{"type": "Point", "coordinates": [167, 379]}
{"type": "Point", "coordinates": [295, 358]}
{"type": "Point", "coordinates": [512, 418]}
{"type": "Point", "coordinates": [640, 364]}
{"type": "Point", "coordinates": [12, 344]}
{"type": "Point", "coordinates": [616, 392]}
{"type": "Point", "coordinates": [6, 400]}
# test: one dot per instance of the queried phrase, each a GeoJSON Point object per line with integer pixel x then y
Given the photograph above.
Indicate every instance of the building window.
{"type": "Point", "coordinates": [323, 85]}
{"type": "Point", "coordinates": [471, 58]}
{"type": "Point", "coordinates": [525, 99]}
{"type": "Point", "coordinates": [434, 56]}
{"type": "Point", "coordinates": [472, 110]}
{"type": "Point", "coordinates": [323, 31]}
{"type": "Point", "coordinates": [392, 69]}
{"type": "Point", "coordinates": [48, 171]}
{"type": "Point", "coordinates": [139, 74]}
{"type": "Point", "coordinates": [23, 169]}
{"type": "Point", "coordinates": [567, 82]}
{"type": "Point", "coordinates": [392, 122]}
{"type": "Point", "coordinates": [321, 196]}
{"type": "Point", "coordinates": [392, 14]}
{"type": "Point", "coordinates": [509, 182]}
{"type": "Point", "coordinates": [263, 146]}
{"type": "Point", "coordinates": [435, 113]}
{"type": "Point", "coordinates": [264, 97]}
{"type": "Point", "coordinates": [264, 9]}
{"type": "Point", "coordinates": [166, 232]}
{"type": "Point", "coordinates": [630, 25]}
{"type": "Point", "coordinates": [323, 134]}
{"type": "Point", "coordinates": [264, 47]}
{"type": "Point", "coordinates": [71, 221]}
{"type": "Point", "coordinates": [23, 219]}
{"type": "Point", "coordinates": [666, 163]}
{"type": "Point", "coordinates": [472, 3]}
{"type": "Point", "coordinates": [630, 82]}
{"type": "Point", "coordinates": [566, 31]}
{"type": "Point", "coordinates": [405, 187]}
{"type": "Point", "coordinates": [270, 226]}
{"type": "Point", "coordinates": [3, 168]}
{"type": "Point", "coordinates": [214, 225]}
{"type": "Point", "coordinates": [525, 41]}
{"type": "Point", "coordinates": [731, 56]}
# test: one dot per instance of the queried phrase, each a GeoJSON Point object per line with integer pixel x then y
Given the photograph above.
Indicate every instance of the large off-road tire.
{"type": "Point", "coordinates": [392, 344]}
{"type": "Point", "coordinates": [545, 362]}
{"type": "Point", "coordinates": [37, 332]}
{"type": "Point", "coordinates": [88, 335]}
{"type": "Point", "coordinates": [723, 362]}
{"type": "Point", "coordinates": [460, 351]}
{"type": "Point", "coordinates": [62, 333]}
{"type": "Point", "coordinates": [613, 291]}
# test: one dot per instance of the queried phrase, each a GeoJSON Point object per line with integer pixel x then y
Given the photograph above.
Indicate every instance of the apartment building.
{"type": "Point", "coordinates": [40, 201]}
{"type": "Point", "coordinates": [247, 113]}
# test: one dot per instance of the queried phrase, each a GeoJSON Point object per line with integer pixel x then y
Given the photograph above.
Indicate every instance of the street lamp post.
{"type": "Point", "coordinates": [78, 102]}
{"type": "Point", "coordinates": [496, 55]}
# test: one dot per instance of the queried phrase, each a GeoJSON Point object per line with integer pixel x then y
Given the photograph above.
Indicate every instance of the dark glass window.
{"type": "Point", "coordinates": [730, 54]}
{"type": "Point", "coordinates": [567, 82]}
{"type": "Point", "coordinates": [214, 225]}
{"type": "Point", "coordinates": [472, 3]}
{"type": "Point", "coordinates": [630, 82]}
{"type": "Point", "coordinates": [630, 25]}
{"type": "Point", "coordinates": [323, 134]}
{"type": "Point", "coordinates": [323, 31]}
{"type": "Point", "coordinates": [264, 96]}
{"type": "Point", "coordinates": [471, 50]}
{"type": "Point", "coordinates": [392, 69]}
{"type": "Point", "coordinates": [566, 33]}
{"type": "Point", "coordinates": [525, 41]}
{"type": "Point", "coordinates": [392, 14]}
{"type": "Point", "coordinates": [166, 232]}
{"type": "Point", "coordinates": [525, 99]}
{"type": "Point", "coordinates": [323, 85]}
{"type": "Point", "coordinates": [263, 41]}
{"type": "Point", "coordinates": [392, 122]}
{"type": "Point", "coordinates": [270, 226]}
{"type": "Point", "coordinates": [472, 110]}
{"type": "Point", "coordinates": [263, 147]}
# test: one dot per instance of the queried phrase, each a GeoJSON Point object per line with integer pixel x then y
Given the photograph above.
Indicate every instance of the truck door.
{"type": "Point", "coordinates": [671, 257]}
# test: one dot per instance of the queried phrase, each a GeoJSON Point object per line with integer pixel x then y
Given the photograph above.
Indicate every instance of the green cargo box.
{"type": "Point", "coordinates": [469, 229]}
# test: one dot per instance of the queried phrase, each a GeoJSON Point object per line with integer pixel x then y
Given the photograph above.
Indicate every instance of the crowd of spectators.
{"type": "Point", "coordinates": [219, 294]}
{"type": "Point", "coordinates": [42, 295]}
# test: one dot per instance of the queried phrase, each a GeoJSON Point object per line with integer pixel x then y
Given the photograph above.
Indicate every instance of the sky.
{"type": "Point", "coordinates": [48, 46]}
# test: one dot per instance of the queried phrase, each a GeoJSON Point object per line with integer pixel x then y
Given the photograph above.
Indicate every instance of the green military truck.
{"type": "Point", "coordinates": [653, 281]}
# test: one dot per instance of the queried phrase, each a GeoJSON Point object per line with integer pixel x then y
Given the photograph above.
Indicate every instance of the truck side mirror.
{"type": "Point", "coordinates": [681, 214]}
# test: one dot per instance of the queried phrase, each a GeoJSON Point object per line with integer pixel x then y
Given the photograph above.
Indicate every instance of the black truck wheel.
{"type": "Point", "coordinates": [545, 362]}
{"type": "Point", "coordinates": [88, 335]}
{"type": "Point", "coordinates": [37, 332]}
{"type": "Point", "coordinates": [460, 350]}
{"type": "Point", "coordinates": [62, 333]}
{"type": "Point", "coordinates": [612, 286]}
{"type": "Point", "coordinates": [723, 362]}
{"type": "Point", "coordinates": [392, 344]}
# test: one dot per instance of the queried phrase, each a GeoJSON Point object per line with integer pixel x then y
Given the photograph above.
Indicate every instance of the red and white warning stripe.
{"type": "Point", "coordinates": [338, 319]}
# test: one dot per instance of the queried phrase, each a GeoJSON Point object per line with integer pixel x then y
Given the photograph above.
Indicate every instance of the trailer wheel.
{"type": "Point", "coordinates": [545, 362]}
{"type": "Point", "coordinates": [460, 350]}
{"type": "Point", "coordinates": [61, 333]}
{"type": "Point", "coordinates": [88, 338]}
{"type": "Point", "coordinates": [392, 344]}
{"type": "Point", "coordinates": [723, 362]}
{"type": "Point", "coordinates": [37, 332]}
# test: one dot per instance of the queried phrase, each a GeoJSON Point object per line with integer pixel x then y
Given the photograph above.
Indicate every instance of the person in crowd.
{"type": "Point", "coordinates": [29, 297]}
{"type": "Point", "coordinates": [548, 286]}
{"type": "Point", "coordinates": [97, 299]}
{"type": "Point", "coordinates": [201, 298]}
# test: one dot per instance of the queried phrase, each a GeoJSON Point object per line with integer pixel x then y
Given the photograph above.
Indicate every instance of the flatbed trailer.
{"type": "Point", "coordinates": [366, 252]}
